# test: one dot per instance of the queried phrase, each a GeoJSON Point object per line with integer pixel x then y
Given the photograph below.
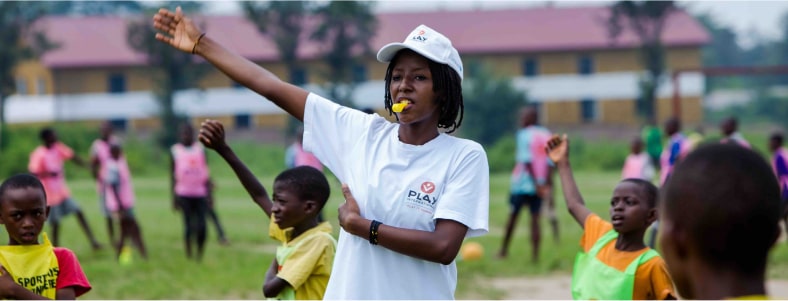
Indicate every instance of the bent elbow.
{"type": "Point", "coordinates": [269, 292]}
{"type": "Point", "coordinates": [447, 253]}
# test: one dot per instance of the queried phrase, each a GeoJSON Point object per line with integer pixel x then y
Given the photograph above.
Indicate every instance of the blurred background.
{"type": "Point", "coordinates": [598, 70]}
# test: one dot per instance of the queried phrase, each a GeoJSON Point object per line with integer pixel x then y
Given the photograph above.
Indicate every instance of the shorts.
{"type": "Point", "coordinates": [103, 205]}
{"type": "Point", "coordinates": [129, 213]}
{"type": "Point", "coordinates": [533, 201]}
{"type": "Point", "coordinates": [59, 211]}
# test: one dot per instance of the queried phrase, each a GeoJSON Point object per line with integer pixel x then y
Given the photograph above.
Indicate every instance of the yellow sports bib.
{"type": "Point", "coordinates": [34, 267]}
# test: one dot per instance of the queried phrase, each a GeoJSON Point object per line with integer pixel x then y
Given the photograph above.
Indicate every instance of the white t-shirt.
{"type": "Point", "coordinates": [400, 185]}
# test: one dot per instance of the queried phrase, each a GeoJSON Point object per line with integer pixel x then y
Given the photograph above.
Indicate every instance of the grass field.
{"type": "Point", "coordinates": [236, 271]}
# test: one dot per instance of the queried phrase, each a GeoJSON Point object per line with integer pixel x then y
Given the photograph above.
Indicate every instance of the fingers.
{"type": "Point", "coordinates": [346, 192]}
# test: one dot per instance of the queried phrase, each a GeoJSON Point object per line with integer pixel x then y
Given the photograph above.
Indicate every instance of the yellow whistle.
{"type": "Point", "coordinates": [398, 107]}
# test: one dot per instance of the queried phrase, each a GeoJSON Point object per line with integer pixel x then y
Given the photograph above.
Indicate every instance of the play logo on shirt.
{"type": "Point", "coordinates": [424, 198]}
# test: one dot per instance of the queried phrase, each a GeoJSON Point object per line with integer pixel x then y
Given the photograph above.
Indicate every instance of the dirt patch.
{"type": "Point", "coordinates": [558, 287]}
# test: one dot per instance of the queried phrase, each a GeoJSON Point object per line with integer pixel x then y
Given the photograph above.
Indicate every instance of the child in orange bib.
{"type": "Point", "coordinates": [615, 264]}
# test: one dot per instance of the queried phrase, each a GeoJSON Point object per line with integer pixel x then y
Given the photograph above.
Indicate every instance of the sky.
{"type": "Point", "coordinates": [747, 18]}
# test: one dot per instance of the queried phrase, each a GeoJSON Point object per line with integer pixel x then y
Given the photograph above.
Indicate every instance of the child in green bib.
{"type": "Point", "coordinates": [615, 264]}
{"type": "Point", "coordinates": [302, 266]}
{"type": "Point", "coordinates": [720, 211]}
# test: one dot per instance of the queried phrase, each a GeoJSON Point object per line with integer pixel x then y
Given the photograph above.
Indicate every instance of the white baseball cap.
{"type": "Point", "coordinates": [429, 43]}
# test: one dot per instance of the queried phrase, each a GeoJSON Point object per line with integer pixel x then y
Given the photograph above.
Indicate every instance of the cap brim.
{"type": "Point", "coordinates": [386, 53]}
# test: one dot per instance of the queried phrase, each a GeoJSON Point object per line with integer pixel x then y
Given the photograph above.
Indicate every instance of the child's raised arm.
{"type": "Point", "coordinates": [558, 150]}
{"type": "Point", "coordinates": [212, 136]}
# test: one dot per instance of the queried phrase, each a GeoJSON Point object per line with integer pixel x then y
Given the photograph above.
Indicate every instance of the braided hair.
{"type": "Point", "coordinates": [446, 84]}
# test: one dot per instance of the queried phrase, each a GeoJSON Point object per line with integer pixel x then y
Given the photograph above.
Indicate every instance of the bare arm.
{"type": "Point", "coordinates": [180, 32]}
{"type": "Point", "coordinates": [9, 289]}
{"type": "Point", "coordinates": [94, 167]}
{"type": "Point", "coordinates": [273, 285]}
{"type": "Point", "coordinates": [441, 245]}
{"type": "Point", "coordinates": [558, 150]}
{"type": "Point", "coordinates": [212, 136]}
{"type": "Point", "coordinates": [175, 205]}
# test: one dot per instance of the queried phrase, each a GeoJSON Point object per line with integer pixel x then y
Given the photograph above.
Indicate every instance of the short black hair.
{"type": "Point", "coordinates": [307, 182]}
{"type": "Point", "coordinates": [446, 83]}
{"type": "Point", "coordinates": [23, 180]}
{"type": "Point", "coordinates": [777, 137]}
{"type": "Point", "coordinates": [649, 190]}
{"type": "Point", "coordinates": [728, 200]}
{"type": "Point", "coordinates": [46, 132]}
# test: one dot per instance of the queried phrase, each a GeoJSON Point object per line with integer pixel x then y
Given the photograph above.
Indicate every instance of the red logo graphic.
{"type": "Point", "coordinates": [421, 32]}
{"type": "Point", "coordinates": [427, 187]}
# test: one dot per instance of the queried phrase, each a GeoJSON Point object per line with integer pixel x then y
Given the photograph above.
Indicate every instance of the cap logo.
{"type": "Point", "coordinates": [420, 36]}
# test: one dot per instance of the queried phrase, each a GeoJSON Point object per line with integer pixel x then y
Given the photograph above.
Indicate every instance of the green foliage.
{"type": "Point", "coordinates": [491, 105]}
{"type": "Point", "coordinates": [647, 20]}
{"type": "Point", "coordinates": [345, 28]}
{"type": "Point", "coordinates": [174, 70]}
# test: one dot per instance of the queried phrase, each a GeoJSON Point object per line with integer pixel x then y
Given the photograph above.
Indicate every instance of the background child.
{"type": "Point", "coordinates": [780, 167]}
{"type": "Point", "coordinates": [33, 269]}
{"type": "Point", "coordinates": [120, 201]}
{"type": "Point", "coordinates": [297, 156]}
{"type": "Point", "coordinates": [303, 262]}
{"type": "Point", "coordinates": [729, 128]}
{"type": "Point", "coordinates": [190, 188]}
{"type": "Point", "coordinates": [638, 164]}
{"type": "Point", "coordinates": [719, 221]}
{"type": "Point", "coordinates": [676, 148]}
{"type": "Point", "coordinates": [529, 178]}
{"type": "Point", "coordinates": [615, 263]}
{"type": "Point", "coordinates": [99, 152]}
{"type": "Point", "coordinates": [46, 162]}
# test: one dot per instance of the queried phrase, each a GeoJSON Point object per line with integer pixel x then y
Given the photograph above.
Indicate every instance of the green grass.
{"type": "Point", "coordinates": [236, 271]}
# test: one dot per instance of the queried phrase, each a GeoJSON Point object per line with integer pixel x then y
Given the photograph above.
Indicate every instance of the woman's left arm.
{"type": "Point", "coordinates": [441, 245]}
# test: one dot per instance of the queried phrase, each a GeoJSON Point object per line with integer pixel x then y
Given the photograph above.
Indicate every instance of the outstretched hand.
{"type": "Point", "coordinates": [557, 148]}
{"type": "Point", "coordinates": [180, 30]}
{"type": "Point", "coordinates": [212, 134]}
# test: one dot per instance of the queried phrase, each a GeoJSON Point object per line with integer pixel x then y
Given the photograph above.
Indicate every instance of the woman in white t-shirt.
{"type": "Point", "coordinates": [413, 193]}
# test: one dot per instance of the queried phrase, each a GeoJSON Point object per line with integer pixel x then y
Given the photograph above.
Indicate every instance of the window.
{"type": "Point", "coordinates": [359, 73]}
{"type": "Point", "coordinates": [21, 86]}
{"type": "Point", "coordinates": [119, 124]}
{"type": "Point", "coordinates": [530, 68]}
{"type": "Point", "coordinates": [588, 110]}
{"type": "Point", "coordinates": [117, 83]}
{"type": "Point", "coordinates": [298, 76]}
{"type": "Point", "coordinates": [41, 86]}
{"type": "Point", "coordinates": [585, 64]}
{"type": "Point", "coordinates": [243, 121]}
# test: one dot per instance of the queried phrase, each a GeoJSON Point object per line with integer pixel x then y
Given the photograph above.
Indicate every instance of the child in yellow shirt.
{"type": "Point", "coordinates": [615, 263]}
{"type": "Point", "coordinates": [303, 262]}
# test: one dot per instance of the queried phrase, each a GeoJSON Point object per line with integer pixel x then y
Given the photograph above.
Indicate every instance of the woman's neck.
{"type": "Point", "coordinates": [417, 135]}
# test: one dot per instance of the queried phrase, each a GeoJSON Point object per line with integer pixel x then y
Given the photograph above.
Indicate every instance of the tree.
{"type": "Point", "coordinates": [174, 70]}
{"type": "Point", "coordinates": [346, 28]}
{"type": "Point", "coordinates": [647, 20]}
{"type": "Point", "coordinates": [723, 51]}
{"type": "Point", "coordinates": [284, 22]}
{"type": "Point", "coordinates": [494, 103]}
{"type": "Point", "coordinates": [20, 41]}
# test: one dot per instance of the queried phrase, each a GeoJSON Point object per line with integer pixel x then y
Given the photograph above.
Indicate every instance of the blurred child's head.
{"type": "Point", "coordinates": [672, 126]}
{"type": "Point", "coordinates": [105, 130]}
{"type": "Point", "coordinates": [23, 209]}
{"type": "Point", "coordinates": [719, 210]}
{"type": "Point", "coordinates": [775, 141]}
{"type": "Point", "coordinates": [115, 150]}
{"type": "Point", "coordinates": [636, 145]}
{"type": "Point", "coordinates": [186, 134]}
{"type": "Point", "coordinates": [633, 206]}
{"type": "Point", "coordinates": [299, 195]}
{"type": "Point", "coordinates": [48, 136]}
{"type": "Point", "coordinates": [528, 116]}
{"type": "Point", "coordinates": [729, 126]}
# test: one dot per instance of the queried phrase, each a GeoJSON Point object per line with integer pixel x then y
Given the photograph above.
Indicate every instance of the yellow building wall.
{"type": "Point", "coordinates": [691, 110]}
{"type": "Point", "coordinates": [561, 112]}
{"type": "Point", "coordinates": [620, 111]}
{"type": "Point", "coordinates": [557, 63]}
{"type": "Point", "coordinates": [31, 72]}
{"type": "Point", "coordinates": [681, 58]}
{"type": "Point", "coordinates": [616, 61]}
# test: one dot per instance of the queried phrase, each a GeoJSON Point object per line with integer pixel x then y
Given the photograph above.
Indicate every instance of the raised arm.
{"type": "Point", "coordinates": [558, 150]}
{"type": "Point", "coordinates": [181, 33]}
{"type": "Point", "coordinates": [212, 136]}
{"type": "Point", "coordinates": [441, 245]}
